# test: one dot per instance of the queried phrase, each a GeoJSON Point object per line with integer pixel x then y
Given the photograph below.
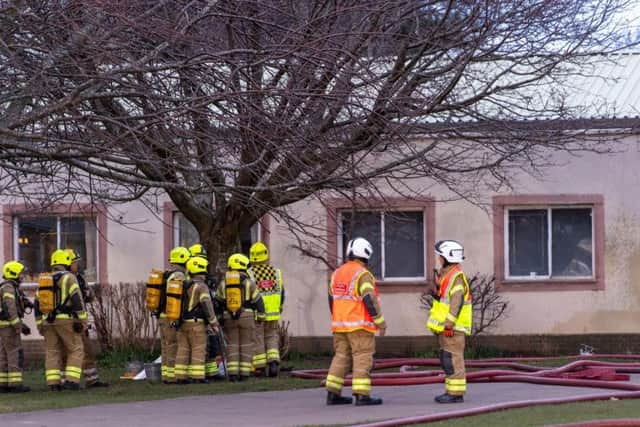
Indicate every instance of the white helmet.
{"type": "Point", "coordinates": [359, 248]}
{"type": "Point", "coordinates": [451, 250]}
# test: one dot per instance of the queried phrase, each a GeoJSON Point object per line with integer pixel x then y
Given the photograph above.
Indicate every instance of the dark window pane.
{"type": "Point", "coordinates": [571, 243]}
{"type": "Point", "coordinates": [404, 244]}
{"type": "Point", "coordinates": [36, 243]}
{"type": "Point", "coordinates": [367, 225]}
{"type": "Point", "coordinates": [187, 233]}
{"type": "Point", "coordinates": [80, 234]}
{"type": "Point", "coordinates": [528, 252]}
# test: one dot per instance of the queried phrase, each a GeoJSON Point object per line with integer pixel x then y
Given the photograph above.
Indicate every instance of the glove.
{"type": "Point", "coordinates": [78, 327]}
{"type": "Point", "coordinates": [213, 329]}
{"type": "Point", "coordinates": [448, 331]}
{"type": "Point", "coordinates": [26, 330]}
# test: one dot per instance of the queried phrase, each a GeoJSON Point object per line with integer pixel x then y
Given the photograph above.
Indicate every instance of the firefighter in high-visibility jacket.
{"type": "Point", "coordinates": [178, 258]}
{"type": "Point", "coordinates": [11, 326]}
{"type": "Point", "coordinates": [268, 279]}
{"type": "Point", "coordinates": [355, 317]}
{"type": "Point", "coordinates": [62, 327]}
{"type": "Point", "coordinates": [450, 318]}
{"type": "Point", "coordinates": [197, 317]}
{"type": "Point", "coordinates": [242, 307]}
{"type": "Point", "coordinates": [89, 364]}
{"type": "Point", "coordinates": [214, 344]}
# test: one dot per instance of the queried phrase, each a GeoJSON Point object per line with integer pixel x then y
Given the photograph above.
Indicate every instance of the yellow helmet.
{"type": "Point", "coordinates": [197, 265]}
{"type": "Point", "coordinates": [198, 250]}
{"type": "Point", "coordinates": [12, 269]}
{"type": "Point", "coordinates": [60, 257]}
{"type": "Point", "coordinates": [179, 255]}
{"type": "Point", "coordinates": [238, 262]}
{"type": "Point", "coordinates": [74, 256]}
{"type": "Point", "coordinates": [258, 252]}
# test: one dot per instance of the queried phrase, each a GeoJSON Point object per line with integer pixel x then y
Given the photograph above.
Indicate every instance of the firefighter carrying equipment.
{"type": "Point", "coordinates": [179, 255]}
{"type": "Point", "coordinates": [451, 250]}
{"type": "Point", "coordinates": [48, 292]}
{"type": "Point", "coordinates": [176, 298]}
{"type": "Point", "coordinates": [155, 290]}
{"type": "Point", "coordinates": [349, 312]}
{"type": "Point", "coordinates": [238, 262]}
{"type": "Point", "coordinates": [269, 282]}
{"type": "Point", "coordinates": [258, 252]}
{"type": "Point", "coordinates": [60, 257]}
{"type": "Point", "coordinates": [198, 250]}
{"type": "Point", "coordinates": [12, 270]}
{"type": "Point", "coordinates": [439, 312]}
{"type": "Point", "coordinates": [359, 248]}
{"type": "Point", "coordinates": [235, 298]}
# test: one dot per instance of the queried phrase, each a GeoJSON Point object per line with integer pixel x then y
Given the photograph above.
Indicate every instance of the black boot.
{"type": "Point", "coordinates": [4, 389]}
{"type": "Point", "coordinates": [449, 398]}
{"type": "Point", "coordinates": [97, 384]}
{"type": "Point", "coordinates": [68, 385]}
{"type": "Point", "coordinates": [234, 378]}
{"type": "Point", "coordinates": [201, 381]}
{"type": "Point", "coordinates": [367, 400]}
{"type": "Point", "coordinates": [55, 387]}
{"type": "Point", "coordinates": [244, 377]}
{"type": "Point", "coordinates": [19, 389]}
{"type": "Point", "coordinates": [336, 399]}
{"type": "Point", "coordinates": [273, 369]}
{"type": "Point", "coordinates": [183, 382]}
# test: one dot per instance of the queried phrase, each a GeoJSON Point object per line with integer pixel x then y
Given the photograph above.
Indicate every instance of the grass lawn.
{"type": "Point", "coordinates": [128, 390]}
{"type": "Point", "coordinates": [549, 414]}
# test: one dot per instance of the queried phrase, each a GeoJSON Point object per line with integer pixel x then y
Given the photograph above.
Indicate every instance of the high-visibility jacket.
{"type": "Point", "coordinates": [270, 284]}
{"type": "Point", "coordinates": [440, 309]}
{"type": "Point", "coordinates": [349, 312]}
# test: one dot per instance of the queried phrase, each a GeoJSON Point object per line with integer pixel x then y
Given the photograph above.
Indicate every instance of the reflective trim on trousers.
{"type": "Point", "coordinates": [334, 383]}
{"type": "Point", "coordinates": [245, 368]}
{"type": "Point", "coordinates": [73, 373]}
{"type": "Point", "coordinates": [456, 386]}
{"type": "Point", "coordinates": [53, 376]}
{"type": "Point", "coordinates": [211, 368]}
{"type": "Point", "coordinates": [259, 360]}
{"type": "Point", "coordinates": [273, 354]}
{"type": "Point", "coordinates": [14, 378]}
{"type": "Point", "coordinates": [361, 385]}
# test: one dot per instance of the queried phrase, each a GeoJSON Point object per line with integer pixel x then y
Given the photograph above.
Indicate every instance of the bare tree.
{"type": "Point", "coordinates": [239, 108]}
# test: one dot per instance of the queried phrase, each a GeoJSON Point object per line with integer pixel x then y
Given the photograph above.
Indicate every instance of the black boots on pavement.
{"type": "Point", "coordinates": [336, 399]}
{"type": "Point", "coordinates": [449, 398]}
{"type": "Point", "coordinates": [367, 400]}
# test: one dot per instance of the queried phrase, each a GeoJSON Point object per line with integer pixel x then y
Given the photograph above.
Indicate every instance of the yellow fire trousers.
{"type": "Point", "coordinates": [62, 343]}
{"type": "Point", "coordinates": [452, 360]}
{"type": "Point", "coordinates": [352, 349]}
{"type": "Point", "coordinates": [240, 334]}
{"type": "Point", "coordinates": [192, 349]}
{"type": "Point", "coordinates": [168, 349]}
{"type": "Point", "coordinates": [11, 357]}
{"type": "Point", "coordinates": [267, 345]}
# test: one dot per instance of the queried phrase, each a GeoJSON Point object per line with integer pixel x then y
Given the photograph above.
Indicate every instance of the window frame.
{"type": "Point", "coordinates": [89, 211]}
{"type": "Point", "coordinates": [171, 231]}
{"type": "Point", "coordinates": [501, 207]}
{"type": "Point", "coordinates": [334, 208]}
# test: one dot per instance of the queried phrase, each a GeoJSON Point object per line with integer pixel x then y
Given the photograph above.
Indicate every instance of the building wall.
{"type": "Point", "coordinates": [133, 250]}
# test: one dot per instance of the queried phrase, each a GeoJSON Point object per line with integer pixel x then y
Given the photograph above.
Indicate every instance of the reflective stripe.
{"type": "Point", "coordinates": [334, 382]}
{"type": "Point", "coordinates": [456, 385]}
{"type": "Point", "coordinates": [354, 324]}
{"type": "Point", "coordinates": [273, 353]}
{"type": "Point", "coordinates": [73, 372]}
{"type": "Point", "coordinates": [361, 384]}
{"type": "Point", "coordinates": [211, 368]}
{"type": "Point", "coordinates": [451, 317]}
{"type": "Point", "coordinates": [8, 295]}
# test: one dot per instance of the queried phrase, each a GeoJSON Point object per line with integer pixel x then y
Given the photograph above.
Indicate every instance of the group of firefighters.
{"type": "Point", "coordinates": [198, 317]}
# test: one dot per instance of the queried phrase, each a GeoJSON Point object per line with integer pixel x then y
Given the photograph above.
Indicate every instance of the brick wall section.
{"type": "Point", "coordinates": [525, 345]}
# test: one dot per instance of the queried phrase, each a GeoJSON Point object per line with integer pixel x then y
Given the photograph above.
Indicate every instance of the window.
{"type": "Point", "coordinates": [397, 238]}
{"type": "Point", "coordinates": [549, 242]}
{"type": "Point", "coordinates": [553, 242]}
{"type": "Point", "coordinates": [36, 237]}
{"type": "Point", "coordinates": [185, 234]}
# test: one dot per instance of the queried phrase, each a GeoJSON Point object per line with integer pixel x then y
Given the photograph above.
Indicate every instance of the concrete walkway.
{"type": "Point", "coordinates": [282, 408]}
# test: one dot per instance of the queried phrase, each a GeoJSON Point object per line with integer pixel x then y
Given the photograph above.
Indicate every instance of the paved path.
{"type": "Point", "coordinates": [282, 408]}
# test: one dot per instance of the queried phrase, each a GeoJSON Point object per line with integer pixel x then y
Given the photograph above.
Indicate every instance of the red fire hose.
{"type": "Point", "coordinates": [584, 371]}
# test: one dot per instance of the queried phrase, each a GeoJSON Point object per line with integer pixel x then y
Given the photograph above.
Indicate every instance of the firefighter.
{"type": "Point", "coordinates": [268, 279]}
{"type": "Point", "coordinates": [178, 258]}
{"type": "Point", "coordinates": [450, 318]}
{"type": "Point", "coordinates": [214, 347]}
{"type": "Point", "coordinates": [242, 306]}
{"type": "Point", "coordinates": [355, 317]}
{"type": "Point", "coordinates": [61, 319]}
{"type": "Point", "coordinates": [89, 364]}
{"type": "Point", "coordinates": [198, 316]}
{"type": "Point", "coordinates": [11, 326]}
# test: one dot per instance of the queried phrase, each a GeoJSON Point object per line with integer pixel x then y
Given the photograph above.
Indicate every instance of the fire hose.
{"type": "Point", "coordinates": [583, 371]}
